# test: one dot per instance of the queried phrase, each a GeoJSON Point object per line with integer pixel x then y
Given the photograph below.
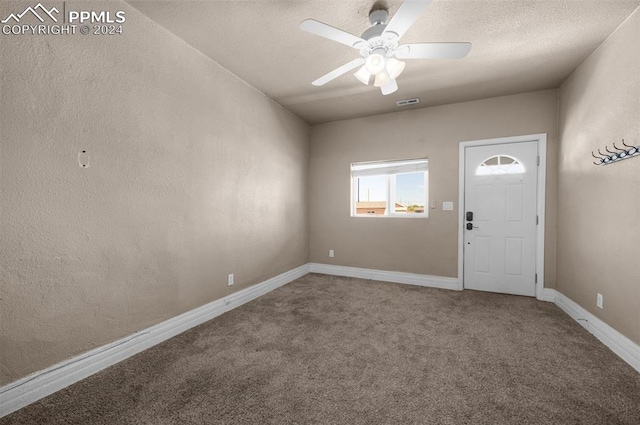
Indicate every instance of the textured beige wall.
{"type": "Point", "coordinates": [427, 246]}
{"type": "Point", "coordinates": [598, 220]}
{"type": "Point", "coordinates": [193, 175]}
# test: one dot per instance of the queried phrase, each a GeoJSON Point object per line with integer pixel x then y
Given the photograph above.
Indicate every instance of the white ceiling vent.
{"type": "Point", "coordinates": [408, 102]}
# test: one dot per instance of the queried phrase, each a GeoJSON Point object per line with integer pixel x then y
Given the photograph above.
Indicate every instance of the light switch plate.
{"type": "Point", "coordinates": [447, 206]}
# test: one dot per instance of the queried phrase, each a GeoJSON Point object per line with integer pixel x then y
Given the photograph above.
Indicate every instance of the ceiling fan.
{"type": "Point", "coordinates": [380, 49]}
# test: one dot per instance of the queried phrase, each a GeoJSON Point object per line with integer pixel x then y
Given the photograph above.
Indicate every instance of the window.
{"type": "Point", "coordinates": [500, 164]}
{"type": "Point", "coordinates": [389, 188]}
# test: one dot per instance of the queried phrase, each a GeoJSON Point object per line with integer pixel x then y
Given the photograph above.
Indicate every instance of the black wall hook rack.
{"type": "Point", "coordinates": [609, 157]}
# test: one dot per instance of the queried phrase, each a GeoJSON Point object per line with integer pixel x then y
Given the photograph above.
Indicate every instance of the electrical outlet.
{"type": "Point", "coordinates": [331, 253]}
{"type": "Point", "coordinates": [600, 301]}
{"type": "Point", "coordinates": [230, 280]}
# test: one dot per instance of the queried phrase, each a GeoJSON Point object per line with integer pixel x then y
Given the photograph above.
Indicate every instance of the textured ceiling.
{"type": "Point", "coordinates": [518, 46]}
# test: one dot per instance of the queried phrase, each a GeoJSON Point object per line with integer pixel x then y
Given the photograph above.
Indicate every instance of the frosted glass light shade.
{"type": "Point", "coordinates": [394, 67]}
{"type": "Point", "coordinates": [363, 75]}
{"type": "Point", "coordinates": [375, 63]}
{"type": "Point", "coordinates": [382, 78]}
{"type": "Point", "coordinates": [390, 87]}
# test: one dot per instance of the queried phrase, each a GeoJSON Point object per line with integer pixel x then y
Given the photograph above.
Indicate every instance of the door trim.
{"type": "Point", "coordinates": [541, 139]}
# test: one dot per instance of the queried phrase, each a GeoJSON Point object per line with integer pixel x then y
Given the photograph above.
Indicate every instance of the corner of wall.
{"type": "Point", "coordinates": [597, 104]}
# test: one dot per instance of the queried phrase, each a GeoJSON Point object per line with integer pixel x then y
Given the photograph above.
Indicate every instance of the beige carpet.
{"type": "Point", "coordinates": [331, 350]}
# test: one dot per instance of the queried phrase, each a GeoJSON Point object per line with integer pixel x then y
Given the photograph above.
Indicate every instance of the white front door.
{"type": "Point", "coordinates": [500, 192]}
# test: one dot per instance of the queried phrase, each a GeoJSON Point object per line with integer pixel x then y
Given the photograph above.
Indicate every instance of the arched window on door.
{"type": "Point", "coordinates": [500, 164]}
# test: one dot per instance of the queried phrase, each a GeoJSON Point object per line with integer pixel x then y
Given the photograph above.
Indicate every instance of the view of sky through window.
{"type": "Point", "coordinates": [372, 189]}
{"type": "Point", "coordinates": [409, 188]}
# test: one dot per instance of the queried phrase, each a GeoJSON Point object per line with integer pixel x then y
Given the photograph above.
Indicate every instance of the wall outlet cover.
{"type": "Point", "coordinates": [230, 280]}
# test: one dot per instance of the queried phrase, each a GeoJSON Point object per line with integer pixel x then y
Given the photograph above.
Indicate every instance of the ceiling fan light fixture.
{"type": "Point", "coordinates": [363, 75]}
{"type": "Point", "coordinates": [375, 63]}
{"type": "Point", "coordinates": [382, 78]}
{"type": "Point", "coordinates": [394, 67]}
{"type": "Point", "coordinates": [390, 87]}
{"type": "Point", "coordinates": [379, 46]}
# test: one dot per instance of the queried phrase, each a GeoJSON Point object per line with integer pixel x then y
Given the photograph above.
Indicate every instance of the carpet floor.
{"type": "Point", "coordinates": [333, 350]}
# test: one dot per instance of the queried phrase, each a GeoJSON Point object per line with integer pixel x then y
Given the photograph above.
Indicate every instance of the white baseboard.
{"type": "Point", "coordinates": [45, 382]}
{"type": "Point", "coordinates": [548, 295]}
{"type": "Point", "coordinates": [398, 277]}
{"type": "Point", "coordinates": [614, 340]}
{"type": "Point", "coordinates": [626, 349]}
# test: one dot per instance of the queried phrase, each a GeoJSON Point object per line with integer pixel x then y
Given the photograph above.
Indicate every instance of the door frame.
{"type": "Point", "coordinates": [541, 139]}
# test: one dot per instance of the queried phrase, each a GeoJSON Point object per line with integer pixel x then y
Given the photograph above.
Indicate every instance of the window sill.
{"type": "Point", "coordinates": [412, 216]}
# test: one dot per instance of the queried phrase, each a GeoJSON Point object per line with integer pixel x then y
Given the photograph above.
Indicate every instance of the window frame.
{"type": "Point", "coordinates": [396, 168]}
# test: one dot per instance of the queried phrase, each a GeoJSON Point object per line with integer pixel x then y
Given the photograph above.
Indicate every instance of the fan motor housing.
{"type": "Point", "coordinates": [377, 42]}
{"type": "Point", "coordinates": [385, 44]}
{"type": "Point", "coordinates": [378, 17]}
{"type": "Point", "coordinates": [374, 31]}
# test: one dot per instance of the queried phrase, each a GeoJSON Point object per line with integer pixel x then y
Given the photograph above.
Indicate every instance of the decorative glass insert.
{"type": "Point", "coordinates": [500, 164]}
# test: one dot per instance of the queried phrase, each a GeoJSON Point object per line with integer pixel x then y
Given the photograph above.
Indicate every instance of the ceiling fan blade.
{"type": "Point", "coordinates": [406, 16]}
{"type": "Point", "coordinates": [433, 50]}
{"type": "Point", "coordinates": [338, 72]}
{"type": "Point", "coordinates": [327, 31]}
